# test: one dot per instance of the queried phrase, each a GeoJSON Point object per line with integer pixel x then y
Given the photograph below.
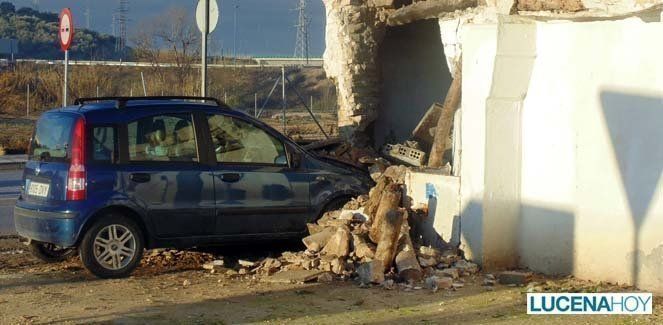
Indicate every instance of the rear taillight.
{"type": "Point", "coordinates": [76, 180]}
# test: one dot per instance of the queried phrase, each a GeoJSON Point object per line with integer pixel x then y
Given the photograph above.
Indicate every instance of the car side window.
{"type": "Point", "coordinates": [168, 137]}
{"type": "Point", "coordinates": [236, 141]}
{"type": "Point", "coordinates": [104, 144]}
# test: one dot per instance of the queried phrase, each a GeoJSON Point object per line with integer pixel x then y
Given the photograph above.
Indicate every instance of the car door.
{"type": "Point", "coordinates": [257, 192]}
{"type": "Point", "coordinates": [164, 175]}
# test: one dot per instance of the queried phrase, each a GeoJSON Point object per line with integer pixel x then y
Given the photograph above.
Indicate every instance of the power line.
{"type": "Point", "coordinates": [235, 31]}
{"type": "Point", "coordinates": [87, 16]}
{"type": "Point", "coordinates": [120, 25]}
{"type": "Point", "coordinates": [303, 23]}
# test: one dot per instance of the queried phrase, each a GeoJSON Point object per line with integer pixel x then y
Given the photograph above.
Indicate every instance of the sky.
{"type": "Point", "coordinates": [264, 27]}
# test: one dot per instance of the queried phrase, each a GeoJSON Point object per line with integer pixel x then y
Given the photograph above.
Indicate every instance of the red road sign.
{"type": "Point", "coordinates": [66, 33]}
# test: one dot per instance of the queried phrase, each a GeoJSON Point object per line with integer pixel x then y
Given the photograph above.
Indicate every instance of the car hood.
{"type": "Point", "coordinates": [345, 166]}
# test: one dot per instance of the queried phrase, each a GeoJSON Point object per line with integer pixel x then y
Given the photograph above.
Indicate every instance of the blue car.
{"type": "Point", "coordinates": [110, 177]}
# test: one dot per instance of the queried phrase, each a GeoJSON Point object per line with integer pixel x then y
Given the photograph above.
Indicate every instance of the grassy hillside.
{"type": "Point", "coordinates": [238, 85]}
{"type": "Point", "coordinates": [37, 36]}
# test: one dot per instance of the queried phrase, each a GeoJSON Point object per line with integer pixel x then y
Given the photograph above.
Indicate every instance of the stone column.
{"type": "Point", "coordinates": [353, 35]}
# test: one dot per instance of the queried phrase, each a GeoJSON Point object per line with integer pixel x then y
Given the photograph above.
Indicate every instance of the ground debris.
{"type": "Point", "coordinates": [369, 240]}
{"type": "Point", "coordinates": [214, 265]}
{"type": "Point", "coordinates": [514, 278]}
{"type": "Point", "coordinates": [169, 258]}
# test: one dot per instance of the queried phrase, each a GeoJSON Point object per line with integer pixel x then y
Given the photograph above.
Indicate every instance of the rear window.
{"type": "Point", "coordinates": [51, 140]}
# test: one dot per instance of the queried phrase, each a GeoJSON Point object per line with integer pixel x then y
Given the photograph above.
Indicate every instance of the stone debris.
{"type": "Point", "coordinates": [214, 265]}
{"type": "Point", "coordinates": [453, 273]}
{"type": "Point", "coordinates": [371, 240]}
{"type": "Point", "coordinates": [317, 241]}
{"type": "Point", "coordinates": [435, 283]}
{"type": "Point", "coordinates": [246, 263]}
{"type": "Point", "coordinates": [514, 278]}
{"type": "Point", "coordinates": [489, 280]}
{"type": "Point", "coordinates": [168, 258]}
{"type": "Point", "coordinates": [338, 244]}
{"type": "Point", "coordinates": [326, 277]}
{"type": "Point", "coordinates": [294, 276]}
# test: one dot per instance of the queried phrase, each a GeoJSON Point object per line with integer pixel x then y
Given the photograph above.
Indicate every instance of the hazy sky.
{"type": "Point", "coordinates": [265, 27]}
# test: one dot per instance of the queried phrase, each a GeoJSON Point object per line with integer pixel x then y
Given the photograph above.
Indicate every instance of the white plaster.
{"type": "Point", "coordinates": [450, 31]}
{"type": "Point", "coordinates": [479, 47]}
{"type": "Point", "coordinates": [592, 159]}
{"type": "Point", "coordinates": [442, 196]}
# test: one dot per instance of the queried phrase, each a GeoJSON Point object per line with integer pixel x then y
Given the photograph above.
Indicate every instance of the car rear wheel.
{"type": "Point", "coordinates": [112, 247]}
{"type": "Point", "coordinates": [50, 253]}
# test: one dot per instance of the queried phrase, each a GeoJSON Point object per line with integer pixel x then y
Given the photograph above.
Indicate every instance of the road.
{"type": "Point", "coordinates": [10, 182]}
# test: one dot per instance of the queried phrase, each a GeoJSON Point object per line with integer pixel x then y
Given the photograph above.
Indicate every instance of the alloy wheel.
{"type": "Point", "coordinates": [114, 247]}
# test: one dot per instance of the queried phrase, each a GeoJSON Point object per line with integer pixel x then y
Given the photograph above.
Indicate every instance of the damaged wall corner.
{"type": "Point", "coordinates": [354, 32]}
{"type": "Point", "coordinates": [414, 75]}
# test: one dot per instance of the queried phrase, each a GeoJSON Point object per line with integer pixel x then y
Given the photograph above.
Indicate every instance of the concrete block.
{"type": "Point", "coordinates": [294, 276]}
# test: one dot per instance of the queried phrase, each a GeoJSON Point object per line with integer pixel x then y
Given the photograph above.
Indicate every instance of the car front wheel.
{"type": "Point", "coordinates": [112, 247]}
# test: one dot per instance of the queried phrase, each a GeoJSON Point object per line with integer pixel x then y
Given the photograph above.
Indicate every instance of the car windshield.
{"type": "Point", "coordinates": [50, 142]}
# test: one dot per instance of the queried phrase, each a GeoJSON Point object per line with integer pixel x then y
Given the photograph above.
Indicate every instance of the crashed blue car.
{"type": "Point", "coordinates": [110, 177]}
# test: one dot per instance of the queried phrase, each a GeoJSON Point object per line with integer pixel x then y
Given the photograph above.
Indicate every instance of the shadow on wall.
{"type": "Point", "coordinates": [546, 239]}
{"type": "Point", "coordinates": [635, 123]}
{"type": "Point", "coordinates": [545, 242]}
{"type": "Point", "coordinates": [414, 75]}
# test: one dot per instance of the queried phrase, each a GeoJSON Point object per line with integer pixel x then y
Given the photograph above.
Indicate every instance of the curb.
{"type": "Point", "coordinates": [11, 201]}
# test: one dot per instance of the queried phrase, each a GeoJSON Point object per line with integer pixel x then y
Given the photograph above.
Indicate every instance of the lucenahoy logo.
{"type": "Point", "coordinates": [589, 303]}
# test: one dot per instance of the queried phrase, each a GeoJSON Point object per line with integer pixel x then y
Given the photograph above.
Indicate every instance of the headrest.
{"type": "Point", "coordinates": [159, 130]}
{"type": "Point", "coordinates": [183, 131]}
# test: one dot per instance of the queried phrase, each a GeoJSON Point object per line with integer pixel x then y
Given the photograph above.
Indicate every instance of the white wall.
{"type": "Point", "coordinates": [582, 149]}
{"type": "Point", "coordinates": [592, 124]}
{"type": "Point", "coordinates": [441, 194]}
{"type": "Point", "coordinates": [479, 48]}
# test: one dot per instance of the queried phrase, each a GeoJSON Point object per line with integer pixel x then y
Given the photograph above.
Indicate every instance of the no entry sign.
{"type": "Point", "coordinates": [66, 33]}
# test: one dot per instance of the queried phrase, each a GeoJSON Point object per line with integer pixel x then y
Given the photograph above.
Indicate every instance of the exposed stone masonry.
{"type": "Point", "coordinates": [354, 32]}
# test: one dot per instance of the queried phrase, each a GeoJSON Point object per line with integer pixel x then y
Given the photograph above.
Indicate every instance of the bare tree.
{"type": "Point", "coordinates": [171, 37]}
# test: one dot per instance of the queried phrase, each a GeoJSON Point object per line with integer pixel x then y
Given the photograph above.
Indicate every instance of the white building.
{"type": "Point", "coordinates": [558, 142]}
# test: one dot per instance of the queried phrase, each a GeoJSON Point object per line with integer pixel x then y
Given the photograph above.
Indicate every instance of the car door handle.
{"type": "Point", "coordinates": [140, 178]}
{"type": "Point", "coordinates": [231, 177]}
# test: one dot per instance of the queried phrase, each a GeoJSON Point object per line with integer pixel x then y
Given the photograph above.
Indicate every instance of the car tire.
{"type": "Point", "coordinates": [112, 247]}
{"type": "Point", "coordinates": [50, 253]}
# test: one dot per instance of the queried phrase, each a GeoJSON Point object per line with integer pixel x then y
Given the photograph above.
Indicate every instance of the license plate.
{"type": "Point", "coordinates": [38, 189]}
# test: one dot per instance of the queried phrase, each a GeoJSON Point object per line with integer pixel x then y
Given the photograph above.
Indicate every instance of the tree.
{"type": "Point", "coordinates": [26, 11]}
{"type": "Point", "coordinates": [171, 37]}
{"type": "Point", "coordinates": [7, 8]}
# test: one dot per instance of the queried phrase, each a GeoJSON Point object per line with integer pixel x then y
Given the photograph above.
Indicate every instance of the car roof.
{"type": "Point", "coordinates": [112, 105]}
{"type": "Point", "coordinates": [109, 111]}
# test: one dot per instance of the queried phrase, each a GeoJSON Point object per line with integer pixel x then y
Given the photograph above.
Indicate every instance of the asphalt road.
{"type": "Point", "coordinates": [10, 182]}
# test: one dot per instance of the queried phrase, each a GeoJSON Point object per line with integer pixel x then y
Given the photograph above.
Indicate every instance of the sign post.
{"type": "Point", "coordinates": [207, 17]}
{"type": "Point", "coordinates": [66, 35]}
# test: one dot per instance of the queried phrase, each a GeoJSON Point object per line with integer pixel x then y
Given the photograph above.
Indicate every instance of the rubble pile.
{"type": "Point", "coordinates": [339, 149]}
{"type": "Point", "coordinates": [167, 258]}
{"type": "Point", "coordinates": [373, 240]}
